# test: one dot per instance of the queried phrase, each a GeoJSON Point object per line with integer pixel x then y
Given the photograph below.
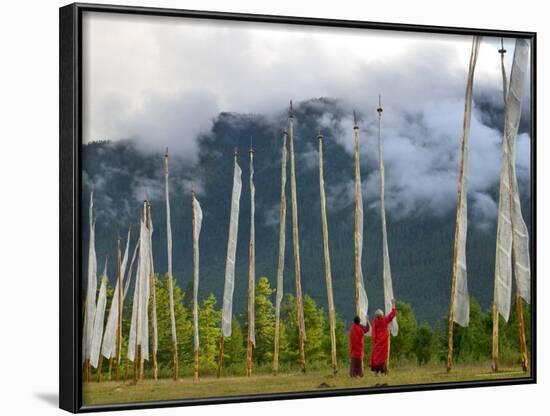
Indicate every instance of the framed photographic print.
{"type": "Point", "coordinates": [264, 207]}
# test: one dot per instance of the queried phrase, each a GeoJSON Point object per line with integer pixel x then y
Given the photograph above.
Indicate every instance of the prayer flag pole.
{"type": "Point", "coordinates": [119, 320]}
{"type": "Point", "coordinates": [229, 284]}
{"type": "Point", "coordinates": [328, 273]}
{"type": "Point", "coordinates": [251, 272]}
{"type": "Point", "coordinates": [175, 361]}
{"type": "Point", "coordinates": [460, 289]}
{"type": "Point", "coordinates": [296, 243]}
{"type": "Point", "coordinates": [281, 262]}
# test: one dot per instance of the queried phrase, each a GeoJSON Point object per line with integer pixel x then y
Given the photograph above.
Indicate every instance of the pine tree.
{"type": "Point", "coordinates": [422, 344]}
{"type": "Point", "coordinates": [234, 351]}
{"type": "Point", "coordinates": [209, 334]}
{"type": "Point", "coordinates": [264, 312]}
{"type": "Point", "coordinates": [402, 345]}
{"type": "Point", "coordinates": [314, 319]}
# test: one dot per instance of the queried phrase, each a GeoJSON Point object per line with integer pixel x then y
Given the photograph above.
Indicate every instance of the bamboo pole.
{"type": "Point", "coordinates": [153, 297]}
{"type": "Point", "coordinates": [356, 226]}
{"type": "Point", "coordinates": [281, 262]}
{"type": "Point", "coordinates": [110, 369]}
{"type": "Point", "coordinates": [119, 318]}
{"type": "Point", "coordinates": [175, 361]}
{"type": "Point", "coordinates": [465, 132]}
{"type": "Point", "coordinates": [195, 265]}
{"type": "Point", "coordinates": [519, 303]}
{"type": "Point", "coordinates": [296, 243]}
{"type": "Point", "coordinates": [137, 363]}
{"type": "Point", "coordinates": [455, 268]}
{"type": "Point", "coordinates": [389, 350]}
{"type": "Point", "coordinates": [328, 273]}
{"type": "Point", "coordinates": [196, 365]}
{"type": "Point", "coordinates": [99, 367]}
{"type": "Point", "coordinates": [495, 353]}
{"type": "Point", "coordinates": [220, 357]}
{"type": "Point", "coordinates": [251, 273]}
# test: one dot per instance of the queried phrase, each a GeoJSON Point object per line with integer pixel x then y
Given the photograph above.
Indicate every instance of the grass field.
{"type": "Point", "coordinates": [108, 392]}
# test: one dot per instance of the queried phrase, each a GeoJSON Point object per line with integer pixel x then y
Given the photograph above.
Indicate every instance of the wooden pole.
{"type": "Point", "coordinates": [465, 133]}
{"type": "Point", "coordinates": [196, 365]}
{"type": "Point", "coordinates": [110, 368]}
{"type": "Point", "coordinates": [356, 226]}
{"type": "Point", "coordinates": [175, 360]}
{"type": "Point", "coordinates": [522, 338]}
{"type": "Point", "coordinates": [99, 367]}
{"type": "Point", "coordinates": [328, 273]}
{"type": "Point", "coordinates": [251, 273]}
{"type": "Point", "coordinates": [220, 357]}
{"type": "Point", "coordinates": [195, 266]}
{"type": "Point", "coordinates": [119, 318]}
{"type": "Point", "coordinates": [494, 355]}
{"type": "Point", "coordinates": [136, 363]}
{"type": "Point", "coordinates": [281, 262]}
{"type": "Point", "coordinates": [296, 243]}
{"type": "Point", "coordinates": [153, 291]}
{"type": "Point", "coordinates": [455, 269]}
{"type": "Point", "coordinates": [389, 350]}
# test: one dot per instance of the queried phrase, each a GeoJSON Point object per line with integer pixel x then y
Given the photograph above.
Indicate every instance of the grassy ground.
{"type": "Point", "coordinates": [108, 392]}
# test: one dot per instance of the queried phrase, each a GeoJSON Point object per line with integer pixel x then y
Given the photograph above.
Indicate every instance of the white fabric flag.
{"type": "Point", "coordinates": [282, 233]}
{"type": "Point", "coordinates": [129, 279]}
{"type": "Point", "coordinates": [388, 287]}
{"type": "Point", "coordinates": [99, 321]}
{"type": "Point", "coordinates": [252, 259]}
{"type": "Point", "coordinates": [108, 348]}
{"type": "Point", "coordinates": [169, 249]}
{"type": "Point", "coordinates": [461, 299]}
{"type": "Point", "coordinates": [510, 219]}
{"type": "Point", "coordinates": [132, 337]}
{"type": "Point", "coordinates": [231, 251]}
{"type": "Point", "coordinates": [142, 338]}
{"type": "Point", "coordinates": [89, 311]}
{"type": "Point", "coordinates": [152, 284]}
{"type": "Point", "coordinates": [197, 214]}
{"type": "Point", "coordinates": [363, 300]}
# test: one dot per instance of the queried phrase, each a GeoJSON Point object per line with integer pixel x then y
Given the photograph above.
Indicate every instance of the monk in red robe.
{"type": "Point", "coordinates": [380, 340]}
{"type": "Point", "coordinates": [356, 346]}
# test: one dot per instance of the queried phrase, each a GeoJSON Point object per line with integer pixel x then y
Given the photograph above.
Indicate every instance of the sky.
{"type": "Point", "coordinates": [163, 80]}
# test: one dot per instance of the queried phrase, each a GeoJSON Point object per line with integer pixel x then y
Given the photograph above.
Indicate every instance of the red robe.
{"type": "Point", "coordinates": [380, 336]}
{"type": "Point", "coordinates": [357, 340]}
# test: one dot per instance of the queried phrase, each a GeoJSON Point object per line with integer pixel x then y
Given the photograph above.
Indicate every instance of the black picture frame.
{"type": "Point", "coordinates": [70, 182]}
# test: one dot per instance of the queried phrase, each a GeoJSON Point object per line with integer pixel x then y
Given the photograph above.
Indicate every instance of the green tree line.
{"type": "Point", "coordinates": [418, 343]}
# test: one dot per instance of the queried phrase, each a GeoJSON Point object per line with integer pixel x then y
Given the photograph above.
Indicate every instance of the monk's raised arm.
{"type": "Point", "coordinates": [391, 315]}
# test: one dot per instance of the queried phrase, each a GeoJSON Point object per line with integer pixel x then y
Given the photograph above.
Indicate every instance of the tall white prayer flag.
{"type": "Point", "coordinates": [388, 287]}
{"type": "Point", "coordinates": [89, 311]}
{"type": "Point", "coordinates": [362, 302]}
{"type": "Point", "coordinates": [108, 348]}
{"type": "Point", "coordinates": [231, 251]}
{"type": "Point", "coordinates": [461, 304]}
{"type": "Point", "coordinates": [197, 224]}
{"type": "Point", "coordinates": [97, 334]}
{"type": "Point", "coordinates": [142, 338]}
{"type": "Point", "coordinates": [512, 233]}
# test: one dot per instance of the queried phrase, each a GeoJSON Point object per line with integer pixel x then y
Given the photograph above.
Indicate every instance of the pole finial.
{"type": "Point", "coordinates": [379, 109]}
{"type": "Point", "coordinates": [502, 51]}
